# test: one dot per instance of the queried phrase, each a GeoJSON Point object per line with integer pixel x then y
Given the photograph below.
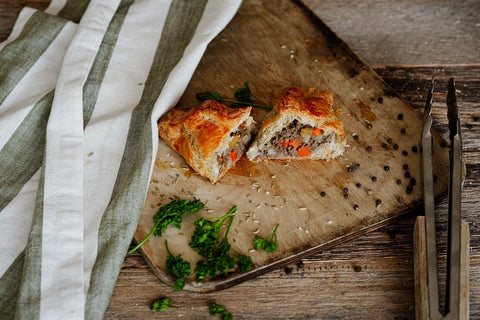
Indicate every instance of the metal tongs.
{"type": "Point", "coordinates": [427, 296]}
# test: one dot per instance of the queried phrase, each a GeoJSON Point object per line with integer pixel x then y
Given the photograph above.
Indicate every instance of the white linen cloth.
{"type": "Point", "coordinates": [81, 88]}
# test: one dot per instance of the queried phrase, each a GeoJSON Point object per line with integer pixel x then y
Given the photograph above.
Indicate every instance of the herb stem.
{"type": "Point", "coordinates": [146, 238]}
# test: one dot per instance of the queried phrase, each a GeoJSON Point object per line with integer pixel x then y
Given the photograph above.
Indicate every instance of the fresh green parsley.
{"type": "Point", "coordinates": [170, 214]}
{"type": "Point", "coordinates": [218, 310]}
{"type": "Point", "coordinates": [162, 304]}
{"type": "Point", "coordinates": [269, 243]}
{"type": "Point", "coordinates": [243, 98]}
{"type": "Point", "coordinates": [215, 251]}
{"type": "Point", "coordinates": [177, 267]}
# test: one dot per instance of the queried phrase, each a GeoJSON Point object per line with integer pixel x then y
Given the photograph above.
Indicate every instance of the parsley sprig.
{"type": "Point", "coordinates": [243, 98]}
{"type": "Point", "coordinates": [170, 214]}
{"type": "Point", "coordinates": [179, 268]}
{"type": "Point", "coordinates": [218, 310]}
{"type": "Point", "coordinates": [215, 251]}
{"type": "Point", "coordinates": [162, 304]}
{"type": "Point", "coordinates": [269, 243]}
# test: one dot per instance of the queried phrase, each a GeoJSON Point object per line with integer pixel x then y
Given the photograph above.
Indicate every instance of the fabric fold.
{"type": "Point", "coordinates": [81, 101]}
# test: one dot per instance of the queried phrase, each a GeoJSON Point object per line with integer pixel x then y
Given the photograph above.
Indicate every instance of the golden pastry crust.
{"type": "Point", "coordinates": [202, 133]}
{"type": "Point", "coordinates": [312, 108]}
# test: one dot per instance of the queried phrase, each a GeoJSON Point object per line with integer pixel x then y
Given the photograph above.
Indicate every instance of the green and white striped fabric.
{"type": "Point", "coordinates": [81, 88]}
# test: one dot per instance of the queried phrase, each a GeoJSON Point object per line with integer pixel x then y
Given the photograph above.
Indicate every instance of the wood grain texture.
{"type": "Point", "coordinates": [370, 276]}
{"type": "Point", "coordinates": [406, 32]}
{"type": "Point", "coordinates": [382, 132]}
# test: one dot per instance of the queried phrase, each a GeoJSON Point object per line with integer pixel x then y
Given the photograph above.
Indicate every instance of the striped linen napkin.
{"type": "Point", "coordinates": [81, 88]}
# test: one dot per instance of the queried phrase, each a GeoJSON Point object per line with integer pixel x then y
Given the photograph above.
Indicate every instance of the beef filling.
{"type": "Point", "coordinates": [226, 159]}
{"type": "Point", "coordinates": [277, 146]}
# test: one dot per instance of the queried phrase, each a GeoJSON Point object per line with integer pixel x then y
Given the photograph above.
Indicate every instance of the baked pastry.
{"type": "Point", "coordinates": [210, 137]}
{"type": "Point", "coordinates": [302, 125]}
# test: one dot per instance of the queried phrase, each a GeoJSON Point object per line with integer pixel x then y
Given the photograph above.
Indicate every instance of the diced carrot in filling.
{"type": "Point", "coordinates": [316, 131]}
{"type": "Point", "coordinates": [294, 143]}
{"type": "Point", "coordinates": [304, 151]}
{"type": "Point", "coordinates": [233, 155]}
{"type": "Point", "coordinates": [284, 144]}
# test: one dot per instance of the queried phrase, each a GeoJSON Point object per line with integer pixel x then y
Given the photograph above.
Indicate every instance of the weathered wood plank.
{"type": "Point", "coordinates": [373, 270]}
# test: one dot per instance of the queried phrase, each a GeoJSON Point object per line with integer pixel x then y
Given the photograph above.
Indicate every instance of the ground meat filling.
{"type": "Point", "coordinates": [239, 142]}
{"type": "Point", "coordinates": [295, 140]}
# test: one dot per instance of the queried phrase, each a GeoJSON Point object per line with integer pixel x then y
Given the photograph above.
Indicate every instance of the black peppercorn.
{"type": "Point", "coordinates": [414, 149]}
{"type": "Point", "coordinates": [345, 195]}
{"type": "Point", "coordinates": [380, 100]}
{"type": "Point", "coordinates": [395, 146]}
{"type": "Point", "coordinates": [374, 178]}
{"type": "Point", "coordinates": [356, 206]}
{"type": "Point", "coordinates": [399, 181]}
{"type": "Point", "coordinates": [405, 166]}
{"type": "Point", "coordinates": [413, 181]}
{"type": "Point", "coordinates": [358, 185]}
{"type": "Point", "coordinates": [386, 168]}
{"type": "Point", "coordinates": [378, 202]}
{"type": "Point", "coordinates": [345, 190]}
{"type": "Point", "coordinates": [323, 194]}
{"type": "Point", "coordinates": [407, 174]}
{"type": "Point", "coordinates": [368, 149]}
{"type": "Point", "coordinates": [405, 153]}
{"type": "Point", "coordinates": [403, 131]}
{"type": "Point", "coordinates": [400, 116]}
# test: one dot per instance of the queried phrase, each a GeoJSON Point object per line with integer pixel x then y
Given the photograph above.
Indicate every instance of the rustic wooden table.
{"type": "Point", "coordinates": [371, 277]}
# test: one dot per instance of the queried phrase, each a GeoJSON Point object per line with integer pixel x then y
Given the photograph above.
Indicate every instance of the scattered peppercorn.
{"type": "Point", "coordinates": [405, 166]}
{"type": "Point", "coordinates": [355, 137]}
{"type": "Point", "coordinates": [414, 149]}
{"type": "Point", "coordinates": [374, 178]}
{"type": "Point", "coordinates": [395, 146]}
{"type": "Point", "coordinates": [323, 194]}
{"type": "Point", "coordinates": [413, 181]}
{"type": "Point", "coordinates": [403, 131]}
{"type": "Point", "coordinates": [409, 189]}
{"type": "Point", "coordinates": [356, 166]}
{"type": "Point", "coordinates": [405, 153]}
{"type": "Point", "coordinates": [380, 100]}
{"type": "Point", "coordinates": [389, 140]}
{"type": "Point", "coordinates": [399, 181]}
{"type": "Point", "coordinates": [386, 168]}
{"type": "Point", "coordinates": [400, 116]}
{"type": "Point", "coordinates": [407, 174]}
{"type": "Point", "coordinates": [378, 202]}
{"type": "Point", "coordinates": [358, 185]}
{"type": "Point", "coordinates": [349, 169]}
{"type": "Point", "coordinates": [368, 149]}
{"type": "Point", "coordinates": [345, 195]}
{"type": "Point", "coordinates": [356, 206]}
{"type": "Point", "coordinates": [384, 145]}
{"type": "Point", "coordinates": [345, 190]}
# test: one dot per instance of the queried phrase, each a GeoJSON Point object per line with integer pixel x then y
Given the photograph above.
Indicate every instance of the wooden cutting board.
{"type": "Point", "coordinates": [318, 204]}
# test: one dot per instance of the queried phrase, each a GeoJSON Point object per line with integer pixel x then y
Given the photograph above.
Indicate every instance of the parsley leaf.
{"type": "Point", "coordinates": [170, 214]}
{"type": "Point", "coordinates": [177, 267]}
{"type": "Point", "coordinates": [268, 243]}
{"type": "Point", "coordinates": [245, 263]}
{"type": "Point", "coordinates": [243, 98]}
{"type": "Point", "coordinates": [215, 251]}
{"type": "Point", "coordinates": [162, 304]}
{"type": "Point", "coordinates": [218, 310]}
